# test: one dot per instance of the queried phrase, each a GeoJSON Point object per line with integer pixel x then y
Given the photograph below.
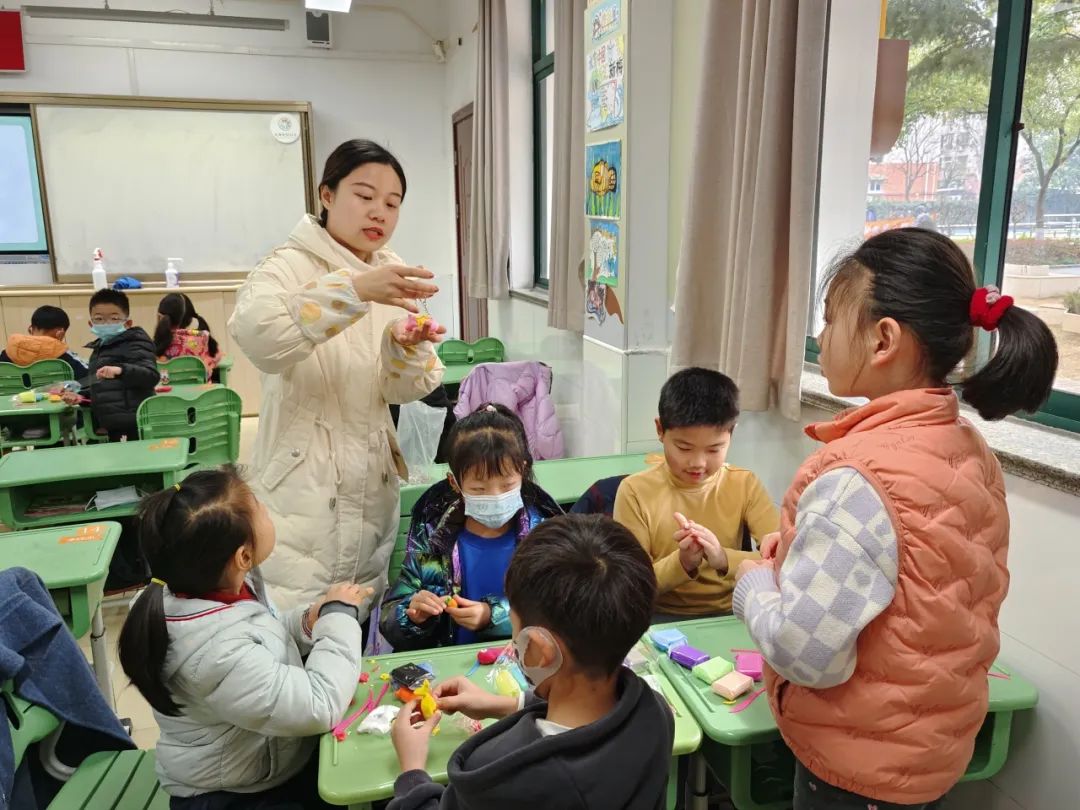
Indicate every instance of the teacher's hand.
{"type": "Point", "coordinates": [410, 336]}
{"type": "Point", "coordinates": [396, 285]}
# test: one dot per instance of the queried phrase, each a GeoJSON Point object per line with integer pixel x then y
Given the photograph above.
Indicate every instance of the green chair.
{"type": "Point", "coordinates": [210, 423]}
{"type": "Point", "coordinates": [454, 352]}
{"type": "Point", "coordinates": [113, 780]}
{"type": "Point", "coordinates": [488, 350]}
{"type": "Point", "coordinates": [186, 370]}
{"type": "Point", "coordinates": [460, 353]}
{"type": "Point", "coordinates": [16, 379]}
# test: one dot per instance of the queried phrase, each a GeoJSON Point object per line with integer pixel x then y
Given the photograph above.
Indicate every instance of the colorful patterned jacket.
{"type": "Point", "coordinates": [429, 565]}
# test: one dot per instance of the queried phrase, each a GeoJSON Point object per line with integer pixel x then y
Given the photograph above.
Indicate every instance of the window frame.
{"type": "Point", "coordinates": [1003, 124]}
{"type": "Point", "coordinates": [543, 66]}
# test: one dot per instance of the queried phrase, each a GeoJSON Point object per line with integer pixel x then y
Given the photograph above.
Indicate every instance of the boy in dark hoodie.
{"type": "Point", "coordinates": [44, 341]}
{"type": "Point", "coordinates": [591, 734]}
{"type": "Point", "coordinates": [123, 366]}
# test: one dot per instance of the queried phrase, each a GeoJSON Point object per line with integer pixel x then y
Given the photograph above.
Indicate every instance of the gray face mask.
{"type": "Point", "coordinates": [536, 675]}
{"type": "Point", "coordinates": [494, 511]}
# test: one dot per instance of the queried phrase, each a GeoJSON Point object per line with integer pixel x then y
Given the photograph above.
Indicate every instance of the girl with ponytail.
{"type": "Point", "coordinates": [238, 705]}
{"type": "Point", "coordinates": [876, 605]}
{"type": "Point", "coordinates": [181, 331]}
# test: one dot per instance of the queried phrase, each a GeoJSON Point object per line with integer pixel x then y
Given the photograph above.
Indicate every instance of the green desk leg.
{"type": "Point", "coordinates": [991, 747]}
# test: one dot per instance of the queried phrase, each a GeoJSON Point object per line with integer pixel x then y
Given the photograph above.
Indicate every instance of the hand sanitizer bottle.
{"type": "Point", "coordinates": [100, 280]}
{"type": "Point", "coordinates": [172, 273]}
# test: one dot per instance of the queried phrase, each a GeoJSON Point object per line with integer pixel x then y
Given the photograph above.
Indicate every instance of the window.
{"type": "Point", "coordinates": [22, 221]}
{"type": "Point", "coordinates": [1010, 197]}
{"type": "Point", "coordinates": [543, 14]}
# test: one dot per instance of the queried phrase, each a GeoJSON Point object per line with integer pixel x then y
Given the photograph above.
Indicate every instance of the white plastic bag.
{"type": "Point", "coordinates": [419, 429]}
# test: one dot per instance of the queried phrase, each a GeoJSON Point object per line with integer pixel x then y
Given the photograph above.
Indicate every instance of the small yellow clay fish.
{"type": "Point", "coordinates": [428, 706]}
{"type": "Point", "coordinates": [604, 178]}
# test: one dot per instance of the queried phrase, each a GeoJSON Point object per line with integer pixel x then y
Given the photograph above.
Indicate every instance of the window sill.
{"type": "Point", "coordinates": [1042, 454]}
{"type": "Point", "coordinates": [536, 295]}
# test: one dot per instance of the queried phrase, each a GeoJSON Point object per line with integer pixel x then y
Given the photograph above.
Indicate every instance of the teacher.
{"type": "Point", "coordinates": [322, 318]}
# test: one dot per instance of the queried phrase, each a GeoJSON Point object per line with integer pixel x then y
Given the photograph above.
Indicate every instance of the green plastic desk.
{"type": "Point", "coordinates": [224, 368]}
{"type": "Point", "coordinates": [564, 479]}
{"type": "Point", "coordinates": [363, 767]}
{"type": "Point", "coordinates": [16, 417]}
{"type": "Point", "coordinates": [70, 473]}
{"type": "Point", "coordinates": [73, 562]}
{"type": "Point", "coordinates": [745, 750]}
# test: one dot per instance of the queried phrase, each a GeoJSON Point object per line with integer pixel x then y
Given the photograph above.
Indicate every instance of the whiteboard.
{"type": "Point", "coordinates": [212, 187]}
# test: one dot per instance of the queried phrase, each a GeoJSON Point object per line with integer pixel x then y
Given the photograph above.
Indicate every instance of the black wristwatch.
{"type": "Point", "coordinates": [340, 607]}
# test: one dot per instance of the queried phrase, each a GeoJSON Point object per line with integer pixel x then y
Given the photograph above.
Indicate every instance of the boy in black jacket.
{"type": "Point", "coordinates": [123, 366]}
{"type": "Point", "coordinates": [592, 735]}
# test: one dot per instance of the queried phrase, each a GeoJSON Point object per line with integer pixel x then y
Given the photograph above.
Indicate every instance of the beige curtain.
{"type": "Point", "coordinates": [488, 265]}
{"type": "Point", "coordinates": [746, 261]}
{"type": "Point", "coordinates": [566, 287]}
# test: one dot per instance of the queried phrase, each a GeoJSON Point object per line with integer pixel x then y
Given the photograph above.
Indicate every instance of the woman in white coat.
{"type": "Point", "coordinates": [323, 319]}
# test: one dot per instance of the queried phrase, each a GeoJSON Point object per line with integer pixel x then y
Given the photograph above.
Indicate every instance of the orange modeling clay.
{"type": "Point", "coordinates": [404, 695]}
{"type": "Point", "coordinates": [451, 602]}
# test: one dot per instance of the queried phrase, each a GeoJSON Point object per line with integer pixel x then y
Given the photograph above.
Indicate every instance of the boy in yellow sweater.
{"type": "Point", "coordinates": [691, 512]}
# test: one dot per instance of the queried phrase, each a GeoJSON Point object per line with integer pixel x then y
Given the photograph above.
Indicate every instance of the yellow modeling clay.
{"type": "Point", "coordinates": [428, 706]}
{"type": "Point", "coordinates": [505, 684]}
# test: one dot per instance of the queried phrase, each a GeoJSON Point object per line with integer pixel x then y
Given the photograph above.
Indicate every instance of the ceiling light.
{"type": "Point", "coordinates": [328, 5]}
{"type": "Point", "coordinates": [164, 17]}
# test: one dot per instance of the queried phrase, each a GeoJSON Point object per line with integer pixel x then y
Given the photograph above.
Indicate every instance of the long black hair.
{"type": "Point", "coordinates": [350, 156]}
{"type": "Point", "coordinates": [925, 282]}
{"type": "Point", "coordinates": [178, 312]}
{"type": "Point", "coordinates": [489, 441]}
{"type": "Point", "coordinates": [187, 534]}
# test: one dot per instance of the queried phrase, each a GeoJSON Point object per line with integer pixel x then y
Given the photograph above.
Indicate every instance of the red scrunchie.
{"type": "Point", "coordinates": [987, 307]}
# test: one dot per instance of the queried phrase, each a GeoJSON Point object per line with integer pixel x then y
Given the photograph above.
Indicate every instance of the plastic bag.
{"type": "Point", "coordinates": [419, 429]}
{"type": "Point", "coordinates": [379, 721]}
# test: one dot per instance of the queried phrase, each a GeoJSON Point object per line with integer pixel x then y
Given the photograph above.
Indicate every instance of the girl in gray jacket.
{"type": "Point", "coordinates": [238, 706]}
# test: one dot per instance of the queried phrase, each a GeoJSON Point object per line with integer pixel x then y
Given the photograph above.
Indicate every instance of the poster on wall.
{"type": "Point", "coordinates": [604, 18]}
{"type": "Point", "coordinates": [603, 174]}
{"type": "Point", "coordinates": [606, 69]}
{"type": "Point", "coordinates": [600, 302]}
{"type": "Point", "coordinates": [604, 252]}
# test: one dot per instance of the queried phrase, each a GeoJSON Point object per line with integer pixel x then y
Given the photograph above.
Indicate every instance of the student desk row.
{"type": "Point", "coordinates": [744, 750]}
{"type": "Point", "coordinates": [73, 562]}
{"type": "Point", "coordinates": [362, 768]}
{"type": "Point", "coordinates": [55, 486]}
{"type": "Point", "coordinates": [56, 417]}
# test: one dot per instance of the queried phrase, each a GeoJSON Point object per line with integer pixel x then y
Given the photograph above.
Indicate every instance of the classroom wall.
{"type": "Point", "coordinates": [380, 80]}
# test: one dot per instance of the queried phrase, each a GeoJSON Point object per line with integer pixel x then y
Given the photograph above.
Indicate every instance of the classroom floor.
{"type": "Point", "coordinates": [129, 703]}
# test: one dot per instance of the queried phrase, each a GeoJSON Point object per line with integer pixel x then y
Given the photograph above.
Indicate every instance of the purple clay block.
{"type": "Point", "coordinates": [688, 656]}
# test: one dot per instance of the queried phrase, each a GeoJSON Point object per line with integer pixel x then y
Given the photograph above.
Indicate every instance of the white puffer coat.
{"type": "Point", "coordinates": [326, 461]}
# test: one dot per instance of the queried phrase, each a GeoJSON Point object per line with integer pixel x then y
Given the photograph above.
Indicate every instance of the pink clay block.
{"type": "Point", "coordinates": [750, 663]}
{"type": "Point", "coordinates": [732, 685]}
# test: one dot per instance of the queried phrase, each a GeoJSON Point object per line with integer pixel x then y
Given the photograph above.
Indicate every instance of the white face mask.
{"type": "Point", "coordinates": [494, 511]}
{"type": "Point", "coordinates": [536, 675]}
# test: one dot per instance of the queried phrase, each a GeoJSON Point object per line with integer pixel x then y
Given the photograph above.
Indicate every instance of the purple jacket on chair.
{"type": "Point", "coordinates": [524, 388]}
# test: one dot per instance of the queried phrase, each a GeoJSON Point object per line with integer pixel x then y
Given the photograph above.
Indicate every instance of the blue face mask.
{"type": "Point", "coordinates": [494, 511]}
{"type": "Point", "coordinates": [107, 331]}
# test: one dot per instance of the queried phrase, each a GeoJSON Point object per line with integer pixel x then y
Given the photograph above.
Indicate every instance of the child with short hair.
{"type": "Point", "coordinates": [876, 606]}
{"type": "Point", "coordinates": [123, 366]}
{"type": "Point", "coordinates": [463, 533]}
{"type": "Point", "coordinates": [591, 734]}
{"type": "Point", "coordinates": [239, 692]}
{"type": "Point", "coordinates": [693, 512]}
{"type": "Point", "coordinates": [45, 341]}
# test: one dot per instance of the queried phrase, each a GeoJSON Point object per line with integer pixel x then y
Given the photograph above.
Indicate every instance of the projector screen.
{"type": "Point", "coordinates": [22, 225]}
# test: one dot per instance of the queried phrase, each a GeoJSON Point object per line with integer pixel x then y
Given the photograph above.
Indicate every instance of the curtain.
{"type": "Point", "coordinates": [747, 254]}
{"type": "Point", "coordinates": [488, 264]}
{"type": "Point", "coordinates": [566, 285]}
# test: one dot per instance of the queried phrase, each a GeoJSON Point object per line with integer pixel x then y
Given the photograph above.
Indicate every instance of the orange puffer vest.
{"type": "Point", "coordinates": [902, 728]}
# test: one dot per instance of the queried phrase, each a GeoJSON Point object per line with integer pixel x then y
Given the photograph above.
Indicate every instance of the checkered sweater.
{"type": "Point", "coordinates": [839, 574]}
